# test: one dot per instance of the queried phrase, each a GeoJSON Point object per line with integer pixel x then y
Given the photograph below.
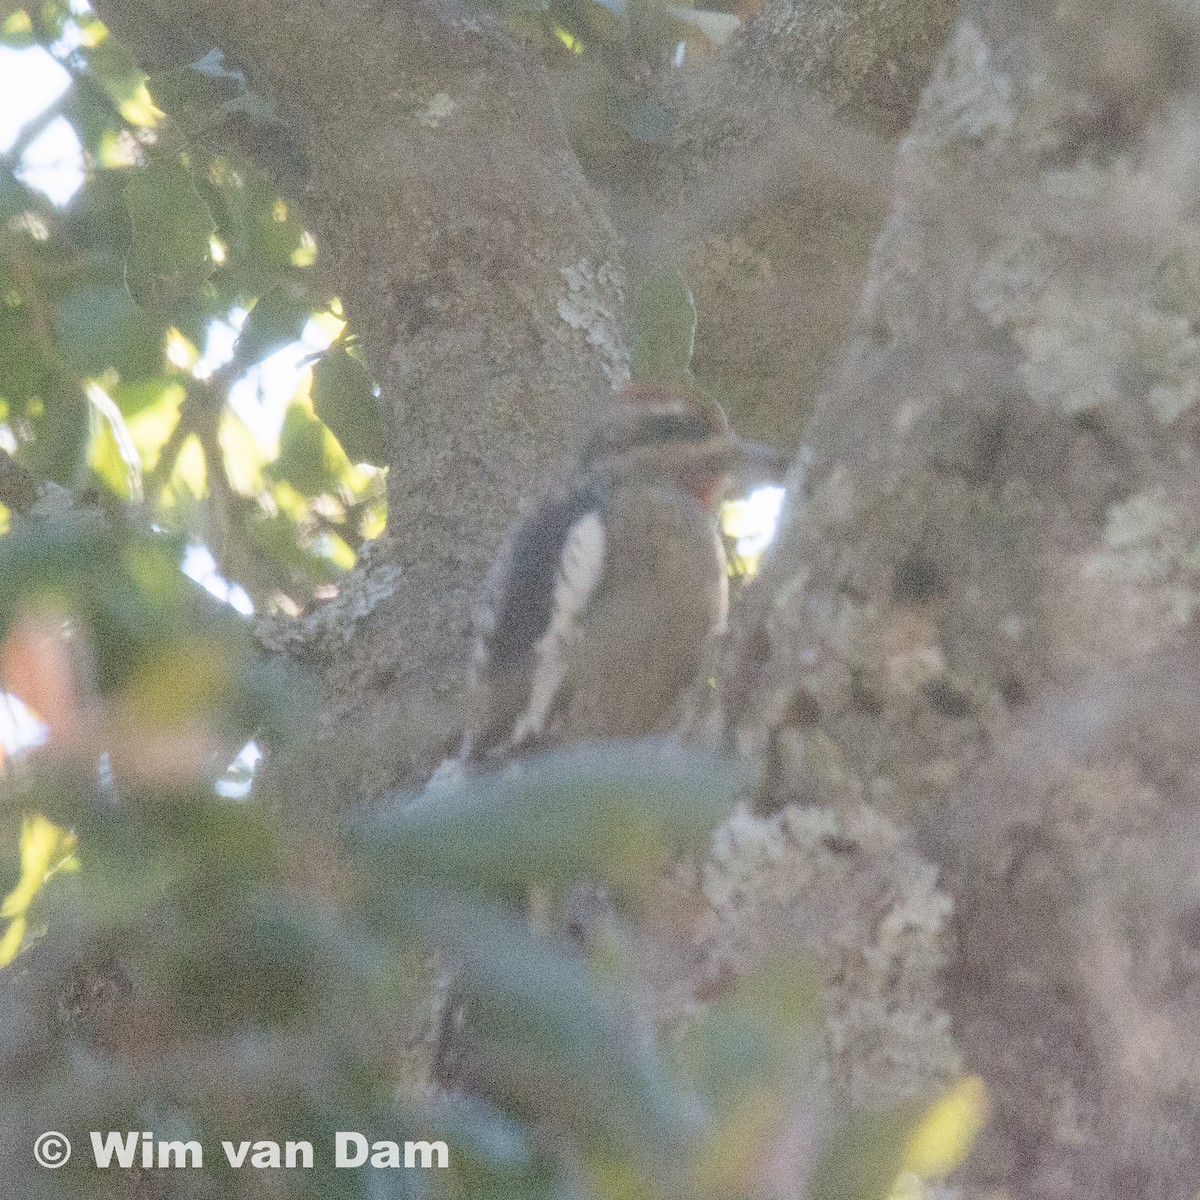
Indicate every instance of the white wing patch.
{"type": "Point", "coordinates": [580, 569]}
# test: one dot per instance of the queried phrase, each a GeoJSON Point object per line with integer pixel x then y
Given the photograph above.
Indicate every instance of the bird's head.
{"type": "Point", "coordinates": [654, 433]}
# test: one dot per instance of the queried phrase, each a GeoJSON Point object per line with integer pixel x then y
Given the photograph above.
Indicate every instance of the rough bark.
{"type": "Point", "coordinates": [479, 271]}
{"type": "Point", "coordinates": [980, 618]}
{"type": "Point", "coordinates": [775, 186]}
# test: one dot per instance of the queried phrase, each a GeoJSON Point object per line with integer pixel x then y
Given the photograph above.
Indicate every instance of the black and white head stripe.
{"type": "Point", "coordinates": [649, 424]}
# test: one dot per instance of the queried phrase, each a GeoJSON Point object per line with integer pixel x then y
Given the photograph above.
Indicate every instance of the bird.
{"type": "Point", "coordinates": [602, 602]}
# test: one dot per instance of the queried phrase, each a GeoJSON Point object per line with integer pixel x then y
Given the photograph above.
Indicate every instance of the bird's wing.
{"type": "Point", "coordinates": [540, 586]}
{"type": "Point", "coordinates": [580, 569]}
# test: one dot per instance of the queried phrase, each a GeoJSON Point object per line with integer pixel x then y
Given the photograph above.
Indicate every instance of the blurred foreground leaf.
{"type": "Point", "coordinates": [45, 849]}
{"type": "Point", "coordinates": [945, 1136]}
{"type": "Point", "coordinates": [100, 326]}
{"type": "Point", "coordinates": [865, 1153]}
{"type": "Point", "coordinates": [539, 1024]}
{"type": "Point", "coordinates": [617, 812]}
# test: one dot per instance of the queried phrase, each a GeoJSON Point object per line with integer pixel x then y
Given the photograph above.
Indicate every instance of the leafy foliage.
{"type": "Point", "coordinates": [109, 300]}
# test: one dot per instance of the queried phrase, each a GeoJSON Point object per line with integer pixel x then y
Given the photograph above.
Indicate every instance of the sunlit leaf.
{"type": "Point", "coordinates": [181, 351]}
{"type": "Point", "coordinates": [305, 253]}
{"type": "Point", "coordinates": [944, 1137]}
{"type": "Point", "coordinates": [373, 521]}
{"type": "Point", "coordinates": [243, 456]}
{"type": "Point", "coordinates": [17, 30]}
{"type": "Point", "coordinates": [152, 412]}
{"type": "Point", "coordinates": [279, 539]}
{"type": "Point", "coordinates": [335, 549]}
{"type": "Point", "coordinates": [118, 74]}
{"type": "Point", "coordinates": [137, 397]}
{"type": "Point", "coordinates": [265, 244]}
{"type": "Point", "coordinates": [110, 462]}
{"type": "Point", "coordinates": [864, 1153]}
{"type": "Point", "coordinates": [103, 134]}
{"type": "Point", "coordinates": [11, 940]}
{"type": "Point", "coordinates": [304, 456]}
{"type": "Point", "coordinates": [45, 849]}
{"type": "Point", "coordinates": [191, 468]}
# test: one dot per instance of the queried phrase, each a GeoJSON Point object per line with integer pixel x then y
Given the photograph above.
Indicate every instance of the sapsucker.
{"type": "Point", "coordinates": [599, 607]}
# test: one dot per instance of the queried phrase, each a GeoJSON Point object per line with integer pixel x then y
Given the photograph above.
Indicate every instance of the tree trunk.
{"type": "Point", "coordinates": [980, 618]}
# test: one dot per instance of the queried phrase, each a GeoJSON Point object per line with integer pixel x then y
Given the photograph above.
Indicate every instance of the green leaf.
{"type": "Point", "coordinates": [344, 398]}
{"type": "Point", "coordinates": [108, 459]}
{"type": "Point", "coordinates": [304, 459]}
{"type": "Point", "coordinates": [275, 321]}
{"type": "Point", "coordinates": [24, 369]}
{"type": "Point", "coordinates": [279, 539]}
{"type": "Point", "coordinates": [617, 812]}
{"type": "Point", "coordinates": [128, 591]}
{"type": "Point", "coordinates": [538, 1024]}
{"type": "Point", "coordinates": [664, 329]}
{"type": "Point", "coordinates": [763, 1034]}
{"type": "Point", "coordinates": [99, 224]}
{"type": "Point", "coordinates": [265, 240]}
{"type": "Point", "coordinates": [95, 122]}
{"type": "Point", "coordinates": [100, 327]}
{"type": "Point", "coordinates": [172, 227]}
{"type": "Point", "coordinates": [190, 93]}
{"type": "Point", "coordinates": [15, 197]}
{"type": "Point", "coordinates": [133, 398]}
